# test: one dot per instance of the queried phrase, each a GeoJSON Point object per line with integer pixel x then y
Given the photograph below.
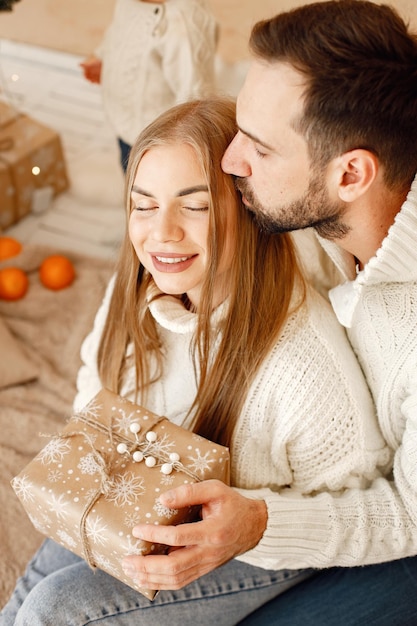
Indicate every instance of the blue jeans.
{"type": "Point", "coordinates": [59, 589]}
{"type": "Point", "coordinates": [375, 595]}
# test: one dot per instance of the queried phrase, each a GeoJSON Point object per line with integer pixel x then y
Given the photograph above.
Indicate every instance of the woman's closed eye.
{"type": "Point", "coordinates": [196, 208]}
{"type": "Point", "coordinates": [145, 207]}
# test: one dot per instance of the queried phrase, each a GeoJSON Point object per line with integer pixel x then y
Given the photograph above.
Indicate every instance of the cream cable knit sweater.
{"type": "Point", "coordinates": [379, 308]}
{"type": "Point", "coordinates": [308, 423]}
{"type": "Point", "coordinates": [155, 56]}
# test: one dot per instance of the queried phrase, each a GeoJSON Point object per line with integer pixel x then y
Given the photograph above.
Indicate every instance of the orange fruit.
{"type": "Point", "coordinates": [14, 283]}
{"type": "Point", "coordinates": [56, 272]}
{"type": "Point", "coordinates": [9, 247]}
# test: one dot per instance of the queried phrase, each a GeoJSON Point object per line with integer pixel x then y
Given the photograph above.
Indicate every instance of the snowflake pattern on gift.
{"type": "Point", "coordinates": [125, 488]}
{"type": "Point", "coordinates": [161, 447]}
{"type": "Point", "coordinates": [90, 494]}
{"type": "Point", "coordinates": [88, 464]}
{"type": "Point", "coordinates": [133, 547]}
{"type": "Point", "coordinates": [58, 505]}
{"type": "Point", "coordinates": [200, 463]}
{"type": "Point", "coordinates": [23, 488]}
{"type": "Point", "coordinates": [132, 519]}
{"type": "Point", "coordinates": [66, 539]}
{"type": "Point", "coordinates": [41, 523]}
{"type": "Point", "coordinates": [97, 530]}
{"type": "Point", "coordinates": [163, 511]}
{"type": "Point", "coordinates": [54, 451]}
{"type": "Point", "coordinates": [106, 500]}
{"type": "Point", "coordinates": [167, 479]}
{"type": "Point", "coordinates": [123, 422]}
{"type": "Point", "coordinates": [92, 410]}
{"type": "Point", "coordinates": [54, 476]}
{"type": "Point", "coordinates": [104, 563]}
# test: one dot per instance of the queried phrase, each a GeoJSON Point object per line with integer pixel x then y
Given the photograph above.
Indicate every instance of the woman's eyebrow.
{"type": "Point", "coordinates": [142, 192]}
{"type": "Point", "coordinates": [183, 192]}
{"type": "Point", "coordinates": [189, 190]}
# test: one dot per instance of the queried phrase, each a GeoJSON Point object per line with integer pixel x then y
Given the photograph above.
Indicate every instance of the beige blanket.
{"type": "Point", "coordinates": [51, 326]}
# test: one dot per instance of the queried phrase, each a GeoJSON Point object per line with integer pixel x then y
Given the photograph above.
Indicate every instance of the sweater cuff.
{"type": "Point", "coordinates": [297, 534]}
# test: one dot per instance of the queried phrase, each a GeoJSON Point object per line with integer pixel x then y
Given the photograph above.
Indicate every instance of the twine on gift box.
{"type": "Point", "coordinates": [105, 468]}
{"type": "Point", "coordinates": [146, 447]}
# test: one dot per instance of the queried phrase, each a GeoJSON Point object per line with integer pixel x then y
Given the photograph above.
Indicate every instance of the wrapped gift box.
{"type": "Point", "coordinates": [7, 197]}
{"type": "Point", "coordinates": [103, 474]}
{"type": "Point", "coordinates": [8, 113]}
{"type": "Point", "coordinates": [31, 162]}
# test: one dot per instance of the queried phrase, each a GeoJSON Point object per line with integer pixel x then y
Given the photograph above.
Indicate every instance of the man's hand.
{"type": "Point", "coordinates": [230, 525]}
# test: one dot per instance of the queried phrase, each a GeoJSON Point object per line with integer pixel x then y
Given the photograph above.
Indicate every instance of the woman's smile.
{"type": "Point", "coordinates": [172, 262]}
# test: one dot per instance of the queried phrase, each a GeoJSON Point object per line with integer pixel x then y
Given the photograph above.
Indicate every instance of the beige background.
{"type": "Point", "coordinates": [76, 26]}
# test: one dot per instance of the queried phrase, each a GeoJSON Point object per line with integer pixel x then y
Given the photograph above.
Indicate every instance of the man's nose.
{"type": "Point", "coordinates": [233, 161]}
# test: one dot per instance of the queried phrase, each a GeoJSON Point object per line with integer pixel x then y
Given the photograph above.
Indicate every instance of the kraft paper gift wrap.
{"type": "Point", "coordinates": [32, 165]}
{"type": "Point", "coordinates": [103, 474]}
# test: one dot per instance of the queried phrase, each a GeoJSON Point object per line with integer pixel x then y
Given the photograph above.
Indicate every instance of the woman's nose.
{"type": "Point", "coordinates": [233, 161]}
{"type": "Point", "coordinates": [167, 227]}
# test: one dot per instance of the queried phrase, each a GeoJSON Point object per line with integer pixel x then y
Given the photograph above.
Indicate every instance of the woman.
{"type": "Point", "coordinates": [208, 321]}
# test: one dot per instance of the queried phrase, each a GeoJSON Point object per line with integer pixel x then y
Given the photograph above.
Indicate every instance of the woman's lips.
{"type": "Point", "coordinates": [172, 263]}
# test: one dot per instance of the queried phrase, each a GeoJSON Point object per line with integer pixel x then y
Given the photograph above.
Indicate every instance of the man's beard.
{"type": "Point", "coordinates": [313, 210]}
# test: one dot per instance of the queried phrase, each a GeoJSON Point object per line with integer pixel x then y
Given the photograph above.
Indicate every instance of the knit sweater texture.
{"type": "Point", "coordinates": [379, 308]}
{"type": "Point", "coordinates": [154, 57]}
{"type": "Point", "coordinates": [308, 426]}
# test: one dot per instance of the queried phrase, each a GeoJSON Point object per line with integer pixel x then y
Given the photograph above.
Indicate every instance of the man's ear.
{"type": "Point", "coordinates": [355, 171]}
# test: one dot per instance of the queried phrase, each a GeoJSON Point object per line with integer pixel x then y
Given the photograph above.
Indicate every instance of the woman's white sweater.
{"type": "Point", "coordinates": [307, 426]}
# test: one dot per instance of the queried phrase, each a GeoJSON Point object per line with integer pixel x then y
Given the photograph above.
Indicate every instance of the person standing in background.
{"type": "Point", "coordinates": [155, 54]}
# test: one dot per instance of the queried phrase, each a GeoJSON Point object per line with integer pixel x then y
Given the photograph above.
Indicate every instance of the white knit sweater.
{"type": "Point", "coordinates": [155, 56]}
{"type": "Point", "coordinates": [307, 425]}
{"type": "Point", "coordinates": [379, 309]}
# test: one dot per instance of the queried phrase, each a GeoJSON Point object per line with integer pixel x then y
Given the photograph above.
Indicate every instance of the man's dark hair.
{"type": "Point", "coordinates": [360, 66]}
{"type": "Point", "coordinates": [7, 5]}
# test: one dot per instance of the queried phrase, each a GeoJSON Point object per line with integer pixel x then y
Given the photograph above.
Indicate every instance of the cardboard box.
{"type": "Point", "coordinates": [7, 198]}
{"type": "Point", "coordinates": [90, 486]}
{"type": "Point", "coordinates": [31, 161]}
{"type": "Point", "coordinates": [8, 113]}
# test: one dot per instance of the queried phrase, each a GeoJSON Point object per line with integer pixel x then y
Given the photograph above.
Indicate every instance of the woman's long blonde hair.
{"type": "Point", "coordinates": [263, 276]}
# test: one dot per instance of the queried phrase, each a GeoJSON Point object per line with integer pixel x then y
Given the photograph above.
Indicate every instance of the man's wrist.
{"type": "Point", "coordinates": [260, 517]}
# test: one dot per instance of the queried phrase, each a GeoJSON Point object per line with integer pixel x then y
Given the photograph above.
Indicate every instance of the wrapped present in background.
{"type": "Point", "coordinates": [32, 165]}
{"type": "Point", "coordinates": [103, 474]}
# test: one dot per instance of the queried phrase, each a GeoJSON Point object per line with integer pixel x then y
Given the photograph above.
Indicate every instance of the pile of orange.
{"type": "Point", "coordinates": [56, 272]}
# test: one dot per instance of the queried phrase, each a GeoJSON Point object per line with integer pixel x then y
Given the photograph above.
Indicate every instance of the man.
{"type": "Point", "coordinates": [327, 138]}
